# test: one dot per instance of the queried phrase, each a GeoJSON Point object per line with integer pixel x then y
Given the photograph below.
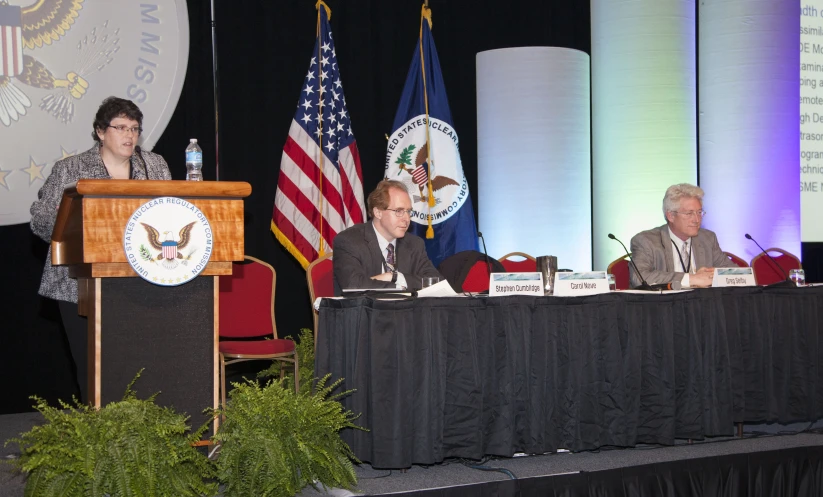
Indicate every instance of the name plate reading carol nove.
{"type": "Point", "coordinates": [576, 284]}
{"type": "Point", "coordinates": [168, 241]}
{"type": "Point", "coordinates": [733, 276]}
{"type": "Point", "coordinates": [501, 284]}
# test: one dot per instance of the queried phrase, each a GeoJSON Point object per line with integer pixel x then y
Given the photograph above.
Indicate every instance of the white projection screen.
{"type": "Point", "coordinates": [533, 159]}
{"type": "Point", "coordinates": [811, 121]}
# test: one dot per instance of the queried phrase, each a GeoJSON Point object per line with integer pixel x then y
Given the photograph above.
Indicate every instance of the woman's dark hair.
{"type": "Point", "coordinates": [111, 108]}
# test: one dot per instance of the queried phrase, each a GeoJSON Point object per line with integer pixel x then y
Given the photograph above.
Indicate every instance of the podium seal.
{"type": "Point", "coordinates": [168, 241]}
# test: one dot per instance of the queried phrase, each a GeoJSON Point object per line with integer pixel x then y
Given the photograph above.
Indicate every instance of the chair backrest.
{"type": "Point", "coordinates": [247, 300]}
{"type": "Point", "coordinates": [765, 272]}
{"type": "Point", "coordinates": [320, 277]}
{"type": "Point", "coordinates": [620, 269]}
{"type": "Point", "coordinates": [527, 264]}
{"type": "Point", "coordinates": [478, 278]}
{"type": "Point", "coordinates": [468, 271]}
{"type": "Point", "coordinates": [737, 260]}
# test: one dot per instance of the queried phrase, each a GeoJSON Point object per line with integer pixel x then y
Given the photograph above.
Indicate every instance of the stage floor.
{"type": "Point", "coordinates": [455, 473]}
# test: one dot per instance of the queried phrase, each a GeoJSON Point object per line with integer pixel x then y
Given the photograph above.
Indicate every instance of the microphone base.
{"type": "Point", "coordinates": [782, 284]}
{"type": "Point", "coordinates": [674, 285]}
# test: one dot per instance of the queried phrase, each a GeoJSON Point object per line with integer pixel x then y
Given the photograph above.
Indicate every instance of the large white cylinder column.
{"type": "Point", "coordinates": [533, 153]}
{"type": "Point", "coordinates": [749, 127]}
{"type": "Point", "coordinates": [643, 114]}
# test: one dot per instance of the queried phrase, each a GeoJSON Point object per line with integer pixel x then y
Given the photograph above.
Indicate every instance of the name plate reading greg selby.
{"type": "Point", "coordinates": [515, 284]}
{"type": "Point", "coordinates": [576, 284]}
{"type": "Point", "coordinates": [733, 276]}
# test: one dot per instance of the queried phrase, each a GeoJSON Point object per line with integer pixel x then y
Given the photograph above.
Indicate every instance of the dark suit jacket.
{"type": "Point", "coordinates": [653, 253]}
{"type": "Point", "coordinates": [357, 258]}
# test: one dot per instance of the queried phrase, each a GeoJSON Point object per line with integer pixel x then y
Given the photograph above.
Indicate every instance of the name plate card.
{"type": "Point", "coordinates": [501, 284]}
{"type": "Point", "coordinates": [577, 284]}
{"type": "Point", "coordinates": [733, 276]}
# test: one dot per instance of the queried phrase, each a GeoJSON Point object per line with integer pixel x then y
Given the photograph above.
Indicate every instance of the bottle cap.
{"type": "Point", "coordinates": [192, 140]}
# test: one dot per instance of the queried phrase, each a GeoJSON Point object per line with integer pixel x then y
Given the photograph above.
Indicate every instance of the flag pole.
{"type": "Point", "coordinates": [320, 3]}
{"type": "Point", "coordinates": [216, 83]}
{"type": "Point", "coordinates": [425, 15]}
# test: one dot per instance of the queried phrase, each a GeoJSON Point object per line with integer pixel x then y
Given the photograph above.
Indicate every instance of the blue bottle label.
{"type": "Point", "coordinates": [194, 156]}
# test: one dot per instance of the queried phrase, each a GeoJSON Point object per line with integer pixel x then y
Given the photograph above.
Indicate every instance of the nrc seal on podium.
{"type": "Point", "coordinates": [59, 59]}
{"type": "Point", "coordinates": [407, 160]}
{"type": "Point", "coordinates": [168, 241]}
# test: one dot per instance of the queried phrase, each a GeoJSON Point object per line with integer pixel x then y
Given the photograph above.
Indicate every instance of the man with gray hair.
{"type": "Point", "coordinates": [680, 250]}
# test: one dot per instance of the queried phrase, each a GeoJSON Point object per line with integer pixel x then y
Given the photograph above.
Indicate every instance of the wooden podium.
{"type": "Point", "coordinates": [171, 331]}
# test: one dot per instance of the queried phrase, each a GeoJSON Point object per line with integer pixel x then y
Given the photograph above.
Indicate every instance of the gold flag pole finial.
{"type": "Point", "coordinates": [328, 10]}
{"type": "Point", "coordinates": [425, 13]}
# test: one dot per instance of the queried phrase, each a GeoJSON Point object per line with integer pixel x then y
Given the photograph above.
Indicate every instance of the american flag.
{"type": "Point", "coordinates": [11, 41]}
{"type": "Point", "coordinates": [320, 187]}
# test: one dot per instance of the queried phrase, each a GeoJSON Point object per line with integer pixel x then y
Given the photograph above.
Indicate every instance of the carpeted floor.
{"type": "Point", "coordinates": [757, 438]}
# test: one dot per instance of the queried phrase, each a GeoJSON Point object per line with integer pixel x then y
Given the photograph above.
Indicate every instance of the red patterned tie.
{"type": "Point", "coordinates": [390, 255]}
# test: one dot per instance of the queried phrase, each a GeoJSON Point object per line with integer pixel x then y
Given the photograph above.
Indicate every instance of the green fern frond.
{"type": "Point", "coordinates": [275, 442]}
{"type": "Point", "coordinates": [130, 447]}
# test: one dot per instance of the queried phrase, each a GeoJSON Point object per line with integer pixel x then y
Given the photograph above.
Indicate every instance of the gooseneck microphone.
{"type": "Point", "coordinates": [645, 285]}
{"type": "Point", "coordinates": [788, 280]}
{"type": "Point", "coordinates": [142, 161]}
{"type": "Point", "coordinates": [488, 264]}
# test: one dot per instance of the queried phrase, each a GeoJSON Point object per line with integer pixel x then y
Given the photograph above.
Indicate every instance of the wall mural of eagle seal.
{"type": "Point", "coordinates": [59, 59]}
{"type": "Point", "coordinates": [168, 241]}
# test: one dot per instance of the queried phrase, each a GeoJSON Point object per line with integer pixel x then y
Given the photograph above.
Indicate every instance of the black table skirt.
{"type": "Point", "coordinates": [466, 377]}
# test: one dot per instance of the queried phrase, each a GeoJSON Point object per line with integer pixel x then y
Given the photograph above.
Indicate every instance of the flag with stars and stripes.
{"type": "Point", "coordinates": [320, 187]}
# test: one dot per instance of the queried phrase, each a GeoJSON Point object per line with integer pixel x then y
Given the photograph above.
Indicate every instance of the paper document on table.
{"type": "Point", "coordinates": [441, 289]}
{"type": "Point", "coordinates": [318, 299]}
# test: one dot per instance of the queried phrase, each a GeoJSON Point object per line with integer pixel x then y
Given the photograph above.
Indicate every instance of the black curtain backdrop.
{"type": "Point", "coordinates": [264, 50]}
{"type": "Point", "coordinates": [263, 56]}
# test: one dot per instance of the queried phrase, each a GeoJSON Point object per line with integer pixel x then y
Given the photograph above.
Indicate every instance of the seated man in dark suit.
{"type": "Point", "coordinates": [380, 254]}
{"type": "Point", "coordinates": [680, 250]}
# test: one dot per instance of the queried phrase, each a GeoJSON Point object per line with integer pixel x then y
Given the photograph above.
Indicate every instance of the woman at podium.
{"type": "Point", "coordinates": [115, 155]}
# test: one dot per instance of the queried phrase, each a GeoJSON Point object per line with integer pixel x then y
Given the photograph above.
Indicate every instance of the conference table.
{"type": "Point", "coordinates": [465, 377]}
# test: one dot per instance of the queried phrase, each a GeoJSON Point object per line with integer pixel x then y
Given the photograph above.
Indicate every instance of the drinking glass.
{"type": "Point", "coordinates": [429, 281]}
{"type": "Point", "coordinates": [798, 276]}
{"type": "Point", "coordinates": [612, 282]}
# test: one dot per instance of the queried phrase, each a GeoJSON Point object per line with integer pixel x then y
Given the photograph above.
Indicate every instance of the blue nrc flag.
{"type": "Point", "coordinates": [423, 152]}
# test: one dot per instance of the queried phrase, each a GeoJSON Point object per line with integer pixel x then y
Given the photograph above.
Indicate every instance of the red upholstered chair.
{"type": "Point", "coordinates": [765, 272]}
{"type": "Point", "coordinates": [620, 269]}
{"type": "Point", "coordinates": [320, 277]}
{"type": "Point", "coordinates": [526, 264]}
{"type": "Point", "coordinates": [478, 278]}
{"type": "Point", "coordinates": [737, 260]}
{"type": "Point", "coordinates": [247, 312]}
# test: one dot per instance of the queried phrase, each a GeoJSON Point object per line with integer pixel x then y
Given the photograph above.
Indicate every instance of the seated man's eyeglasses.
{"type": "Point", "coordinates": [699, 213]}
{"type": "Point", "coordinates": [401, 212]}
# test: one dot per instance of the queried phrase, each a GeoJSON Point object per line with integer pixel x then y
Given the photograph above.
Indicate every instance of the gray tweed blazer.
{"type": "Point", "coordinates": [653, 253]}
{"type": "Point", "coordinates": [56, 283]}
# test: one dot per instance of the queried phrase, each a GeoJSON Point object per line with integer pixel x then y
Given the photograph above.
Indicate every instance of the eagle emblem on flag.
{"type": "Point", "coordinates": [420, 173]}
{"type": "Point", "coordinates": [169, 247]}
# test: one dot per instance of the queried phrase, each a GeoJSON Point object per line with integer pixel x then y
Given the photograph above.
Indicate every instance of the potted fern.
{"type": "Point", "coordinates": [275, 442]}
{"type": "Point", "coordinates": [130, 447]}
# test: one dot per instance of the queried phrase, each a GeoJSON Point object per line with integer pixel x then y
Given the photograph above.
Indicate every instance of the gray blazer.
{"type": "Point", "coordinates": [357, 257]}
{"type": "Point", "coordinates": [55, 283]}
{"type": "Point", "coordinates": [653, 253]}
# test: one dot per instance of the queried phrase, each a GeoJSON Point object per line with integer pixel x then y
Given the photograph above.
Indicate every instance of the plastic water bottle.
{"type": "Point", "coordinates": [194, 161]}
